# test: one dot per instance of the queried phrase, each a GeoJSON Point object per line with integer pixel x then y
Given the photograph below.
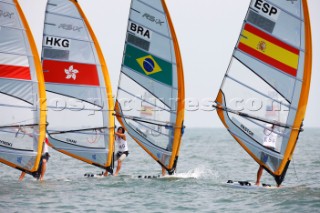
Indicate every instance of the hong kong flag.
{"type": "Point", "coordinates": [70, 73]}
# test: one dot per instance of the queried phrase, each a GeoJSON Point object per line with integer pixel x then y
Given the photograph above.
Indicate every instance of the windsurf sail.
{"type": "Point", "coordinates": [22, 92]}
{"type": "Point", "coordinates": [80, 104]}
{"type": "Point", "coordinates": [150, 98]}
{"type": "Point", "coordinates": [268, 82]}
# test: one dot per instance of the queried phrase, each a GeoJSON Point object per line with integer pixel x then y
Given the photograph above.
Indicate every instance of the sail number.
{"type": "Point", "coordinates": [139, 30]}
{"type": "Point", "coordinates": [57, 42]}
{"type": "Point", "coordinates": [266, 8]}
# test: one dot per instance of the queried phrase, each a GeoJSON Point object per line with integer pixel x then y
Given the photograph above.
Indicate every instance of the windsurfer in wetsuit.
{"type": "Point", "coordinates": [269, 141]}
{"type": "Point", "coordinates": [43, 163]}
{"type": "Point", "coordinates": [123, 150]}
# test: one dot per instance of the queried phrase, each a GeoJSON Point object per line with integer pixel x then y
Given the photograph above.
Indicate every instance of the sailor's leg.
{"type": "Point", "coordinates": [259, 174]}
{"type": "Point", "coordinates": [118, 168]}
{"type": "Point", "coordinates": [43, 169]}
{"type": "Point", "coordinates": [163, 171]}
{"type": "Point", "coordinates": [22, 176]}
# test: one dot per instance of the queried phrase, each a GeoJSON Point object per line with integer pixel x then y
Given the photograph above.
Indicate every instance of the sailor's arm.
{"type": "Point", "coordinates": [123, 136]}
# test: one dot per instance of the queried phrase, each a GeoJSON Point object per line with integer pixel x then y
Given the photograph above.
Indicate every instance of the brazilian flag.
{"type": "Point", "coordinates": [148, 65]}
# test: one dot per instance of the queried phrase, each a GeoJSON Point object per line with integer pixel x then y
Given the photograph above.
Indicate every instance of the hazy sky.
{"type": "Point", "coordinates": [207, 31]}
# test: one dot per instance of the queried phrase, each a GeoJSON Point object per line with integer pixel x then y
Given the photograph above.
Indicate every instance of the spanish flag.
{"type": "Point", "coordinates": [269, 50]}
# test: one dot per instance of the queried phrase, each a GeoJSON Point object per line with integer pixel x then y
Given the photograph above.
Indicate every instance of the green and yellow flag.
{"type": "Point", "coordinates": [149, 65]}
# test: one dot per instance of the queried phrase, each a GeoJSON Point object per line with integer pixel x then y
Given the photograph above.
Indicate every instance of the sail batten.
{"type": "Point", "coordinates": [80, 118]}
{"type": "Point", "coordinates": [152, 78]}
{"type": "Point", "coordinates": [264, 93]}
{"type": "Point", "coordinates": [71, 38]}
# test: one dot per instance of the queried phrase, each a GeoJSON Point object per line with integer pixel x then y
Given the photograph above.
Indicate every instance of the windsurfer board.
{"type": "Point", "coordinates": [169, 177]}
{"type": "Point", "coordinates": [248, 184]}
{"type": "Point", "coordinates": [92, 175]}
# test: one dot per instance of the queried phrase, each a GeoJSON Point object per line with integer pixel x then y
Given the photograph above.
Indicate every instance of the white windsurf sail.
{"type": "Point", "coordinates": [267, 82]}
{"type": "Point", "coordinates": [22, 92]}
{"type": "Point", "coordinates": [80, 104]}
{"type": "Point", "coordinates": [150, 98]}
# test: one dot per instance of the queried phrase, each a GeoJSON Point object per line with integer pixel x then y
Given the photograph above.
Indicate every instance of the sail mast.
{"type": "Point", "coordinates": [181, 93]}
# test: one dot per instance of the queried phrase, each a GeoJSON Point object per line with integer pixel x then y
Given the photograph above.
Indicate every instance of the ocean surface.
{"type": "Point", "coordinates": [208, 158]}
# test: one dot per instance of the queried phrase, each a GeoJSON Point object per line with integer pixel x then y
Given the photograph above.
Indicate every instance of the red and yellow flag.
{"type": "Point", "coordinates": [269, 50]}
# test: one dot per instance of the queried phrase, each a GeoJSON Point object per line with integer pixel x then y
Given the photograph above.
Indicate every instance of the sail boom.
{"type": "Point", "coordinates": [149, 121]}
{"type": "Point", "coordinates": [79, 130]}
{"type": "Point", "coordinates": [220, 107]}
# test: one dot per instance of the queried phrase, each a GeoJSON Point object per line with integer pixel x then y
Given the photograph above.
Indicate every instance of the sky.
{"type": "Point", "coordinates": [207, 31]}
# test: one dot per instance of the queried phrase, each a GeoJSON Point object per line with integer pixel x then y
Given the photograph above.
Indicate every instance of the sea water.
{"type": "Point", "coordinates": [208, 158]}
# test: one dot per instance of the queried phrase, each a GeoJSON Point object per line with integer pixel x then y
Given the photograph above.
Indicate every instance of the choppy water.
{"type": "Point", "coordinates": [210, 156]}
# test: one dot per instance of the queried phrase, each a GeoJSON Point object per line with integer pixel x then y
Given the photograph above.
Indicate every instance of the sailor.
{"type": "Point", "coordinates": [123, 150]}
{"type": "Point", "coordinates": [269, 141]}
{"type": "Point", "coordinates": [39, 174]}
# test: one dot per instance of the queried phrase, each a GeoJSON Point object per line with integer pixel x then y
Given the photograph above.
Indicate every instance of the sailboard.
{"type": "Point", "coordinates": [150, 97]}
{"type": "Point", "coordinates": [80, 103]}
{"type": "Point", "coordinates": [267, 82]}
{"type": "Point", "coordinates": [166, 177]}
{"type": "Point", "coordinates": [249, 185]}
{"type": "Point", "coordinates": [22, 92]}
